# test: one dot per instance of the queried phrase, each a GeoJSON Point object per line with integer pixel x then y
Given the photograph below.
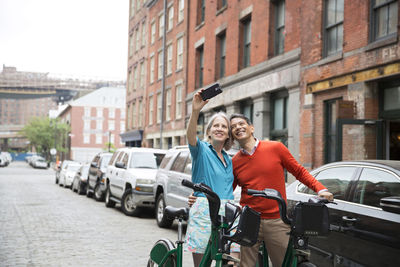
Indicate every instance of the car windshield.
{"type": "Point", "coordinates": [105, 161]}
{"type": "Point", "coordinates": [73, 167]}
{"type": "Point", "coordinates": [143, 160]}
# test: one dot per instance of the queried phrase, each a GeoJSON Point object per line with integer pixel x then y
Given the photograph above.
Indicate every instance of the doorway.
{"type": "Point", "coordinates": [393, 137]}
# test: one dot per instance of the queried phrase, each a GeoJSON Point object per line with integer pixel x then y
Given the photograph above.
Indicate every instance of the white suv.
{"type": "Point", "coordinates": [130, 178]}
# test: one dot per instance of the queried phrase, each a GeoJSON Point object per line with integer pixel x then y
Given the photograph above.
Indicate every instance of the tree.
{"type": "Point", "coordinates": [44, 134]}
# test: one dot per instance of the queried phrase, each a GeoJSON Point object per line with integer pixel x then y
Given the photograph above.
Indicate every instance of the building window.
{"type": "Point", "coordinates": [99, 124]}
{"type": "Point", "coordinates": [143, 33]}
{"type": "Point", "coordinates": [160, 65]}
{"type": "Point", "coordinates": [221, 52]}
{"type": "Point", "coordinates": [134, 115]}
{"type": "Point", "coordinates": [100, 112]}
{"type": "Point", "coordinates": [138, 5]}
{"type": "Point", "coordinates": [178, 102]}
{"type": "Point", "coordinates": [151, 109]}
{"type": "Point", "coordinates": [153, 32]}
{"type": "Point", "coordinates": [384, 18]}
{"type": "Point", "coordinates": [201, 11]}
{"type": "Point", "coordinates": [181, 7]}
{"type": "Point", "coordinates": [179, 54]}
{"type": "Point", "coordinates": [86, 138]}
{"type": "Point", "coordinates": [170, 17]}
{"type": "Point", "coordinates": [245, 41]}
{"type": "Point", "coordinates": [161, 25]}
{"type": "Point", "coordinates": [151, 69]}
{"type": "Point", "coordinates": [135, 78]}
{"type": "Point", "coordinates": [333, 37]}
{"type": "Point", "coordinates": [111, 113]}
{"type": "Point", "coordinates": [246, 108]}
{"type": "Point", "coordinates": [111, 125]}
{"type": "Point", "coordinates": [199, 66]}
{"type": "Point", "coordinates": [140, 120]}
{"type": "Point", "coordinates": [279, 116]}
{"type": "Point", "coordinates": [130, 81]}
{"type": "Point", "coordinates": [122, 126]}
{"type": "Point", "coordinates": [142, 74]}
{"type": "Point", "coordinates": [86, 124]}
{"type": "Point", "coordinates": [330, 115]}
{"type": "Point", "coordinates": [122, 113]}
{"type": "Point", "coordinates": [169, 103]}
{"type": "Point", "coordinates": [279, 40]}
{"type": "Point", "coordinates": [87, 111]}
{"type": "Point", "coordinates": [99, 138]}
{"type": "Point", "coordinates": [137, 39]}
{"type": "Point", "coordinates": [169, 59]}
{"type": "Point", "coordinates": [132, 9]}
{"type": "Point", "coordinates": [130, 45]}
{"type": "Point", "coordinates": [159, 107]}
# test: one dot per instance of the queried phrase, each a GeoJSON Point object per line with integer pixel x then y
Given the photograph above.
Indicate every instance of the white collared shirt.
{"type": "Point", "coordinates": [253, 150]}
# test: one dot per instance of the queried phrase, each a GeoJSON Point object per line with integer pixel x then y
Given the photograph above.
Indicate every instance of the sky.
{"type": "Point", "coordinates": [67, 38]}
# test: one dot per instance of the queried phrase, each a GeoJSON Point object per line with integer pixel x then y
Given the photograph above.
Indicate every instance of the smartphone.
{"type": "Point", "coordinates": [211, 91]}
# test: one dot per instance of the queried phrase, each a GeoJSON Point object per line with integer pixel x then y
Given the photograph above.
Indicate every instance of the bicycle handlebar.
{"type": "Point", "coordinates": [214, 201]}
{"type": "Point", "coordinates": [275, 195]}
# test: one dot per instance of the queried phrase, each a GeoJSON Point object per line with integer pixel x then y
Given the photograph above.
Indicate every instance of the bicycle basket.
{"type": "Point", "coordinates": [311, 219]}
{"type": "Point", "coordinates": [248, 226]}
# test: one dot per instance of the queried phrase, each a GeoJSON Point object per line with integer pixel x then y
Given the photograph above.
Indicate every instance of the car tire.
{"type": "Point", "coordinates": [107, 201]}
{"type": "Point", "coordinates": [98, 195]}
{"type": "Point", "coordinates": [162, 220]}
{"type": "Point", "coordinates": [88, 192]}
{"type": "Point", "coordinates": [80, 190]}
{"type": "Point", "coordinates": [127, 205]}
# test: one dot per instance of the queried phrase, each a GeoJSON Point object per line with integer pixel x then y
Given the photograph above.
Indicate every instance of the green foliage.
{"type": "Point", "coordinates": [109, 147]}
{"type": "Point", "coordinates": [44, 134]}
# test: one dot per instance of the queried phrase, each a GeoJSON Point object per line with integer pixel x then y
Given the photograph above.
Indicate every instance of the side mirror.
{"type": "Point", "coordinates": [120, 165]}
{"type": "Point", "coordinates": [93, 164]}
{"type": "Point", "coordinates": [390, 204]}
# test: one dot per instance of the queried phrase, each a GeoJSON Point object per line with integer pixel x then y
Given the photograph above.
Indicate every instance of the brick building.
{"type": "Point", "coordinates": [350, 81]}
{"type": "Point", "coordinates": [315, 75]}
{"type": "Point", "coordinates": [96, 120]}
{"type": "Point", "coordinates": [167, 73]}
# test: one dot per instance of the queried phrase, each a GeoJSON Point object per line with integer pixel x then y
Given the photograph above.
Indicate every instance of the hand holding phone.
{"type": "Point", "coordinates": [211, 91]}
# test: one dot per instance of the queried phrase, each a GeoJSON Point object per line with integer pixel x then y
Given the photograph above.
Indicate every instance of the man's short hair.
{"type": "Point", "coordinates": [241, 116]}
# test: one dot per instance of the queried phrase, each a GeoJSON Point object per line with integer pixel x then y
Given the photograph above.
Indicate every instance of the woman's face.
{"type": "Point", "coordinates": [219, 130]}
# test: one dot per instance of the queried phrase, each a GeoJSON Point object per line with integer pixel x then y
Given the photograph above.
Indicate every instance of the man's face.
{"type": "Point", "coordinates": [240, 129]}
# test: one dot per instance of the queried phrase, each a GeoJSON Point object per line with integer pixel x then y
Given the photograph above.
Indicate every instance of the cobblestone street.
{"type": "Point", "coordinates": [42, 224]}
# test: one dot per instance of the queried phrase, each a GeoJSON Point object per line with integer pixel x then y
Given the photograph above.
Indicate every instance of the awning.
{"type": "Point", "coordinates": [135, 135]}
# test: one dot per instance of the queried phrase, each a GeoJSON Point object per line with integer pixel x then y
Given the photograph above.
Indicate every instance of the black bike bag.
{"type": "Point", "coordinates": [311, 219]}
{"type": "Point", "coordinates": [248, 227]}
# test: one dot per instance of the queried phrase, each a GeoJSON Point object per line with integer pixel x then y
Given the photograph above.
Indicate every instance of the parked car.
{"type": "Point", "coordinates": [79, 182]}
{"type": "Point", "coordinates": [168, 191]}
{"type": "Point", "coordinates": [4, 161]}
{"type": "Point", "coordinates": [365, 223]}
{"type": "Point", "coordinates": [130, 177]}
{"type": "Point", "coordinates": [96, 181]}
{"type": "Point", "coordinates": [32, 159]}
{"type": "Point", "coordinates": [61, 169]}
{"type": "Point", "coordinates": [39, 163]}
{"type": "Point", "coordinates": [67, 176]}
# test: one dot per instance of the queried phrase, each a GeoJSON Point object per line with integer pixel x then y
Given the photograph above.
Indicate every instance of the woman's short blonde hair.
{"type": "Point", "coordinates": [207, 137]}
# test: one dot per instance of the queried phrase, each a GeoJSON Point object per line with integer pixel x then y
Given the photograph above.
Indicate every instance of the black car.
{"type": "Point", "coordinates": [97, 169]}
{"type": "Point", "coordinates": [365, 223]}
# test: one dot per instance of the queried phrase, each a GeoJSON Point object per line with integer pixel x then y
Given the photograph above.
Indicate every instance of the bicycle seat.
{"type": "Point", "coordinates": [173, 213]}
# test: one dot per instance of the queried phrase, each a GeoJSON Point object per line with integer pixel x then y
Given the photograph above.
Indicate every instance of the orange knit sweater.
{"type": "Point", "coordinates": [265, 169]}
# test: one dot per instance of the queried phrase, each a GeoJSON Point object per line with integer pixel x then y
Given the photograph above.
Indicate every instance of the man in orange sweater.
{"type": "Point", "coordinates": [260, 165]}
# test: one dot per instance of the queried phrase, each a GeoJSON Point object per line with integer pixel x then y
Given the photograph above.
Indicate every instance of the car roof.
{"type": "Point", "coordinates": [392, 164]}
{"type": "Point", "coordinates": [144, 149]}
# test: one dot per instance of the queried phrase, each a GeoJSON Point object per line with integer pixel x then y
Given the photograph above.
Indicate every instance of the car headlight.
{"type": "Point", "coordinates": [144, 185]}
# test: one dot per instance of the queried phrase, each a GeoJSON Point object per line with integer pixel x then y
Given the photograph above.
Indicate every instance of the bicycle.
{"type": "Point", "coordinates": [164, 252]}
{"type": "Point", "coordinates": [309, 219]}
